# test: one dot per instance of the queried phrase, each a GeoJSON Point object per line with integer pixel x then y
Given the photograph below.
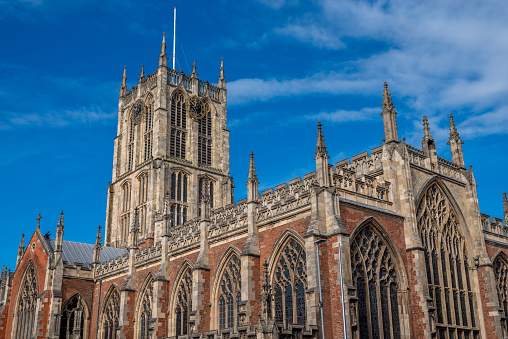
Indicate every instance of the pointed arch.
{"type": "Point", "coordinates": [75, 317]}
{"type": "Point", "coordinates": [144, 308]}
{"type": "Point", "coordinates": [110, 314]}
{"type": "Point", "coordinates": [379, 278]}
{"type": "Point", "coordinates": [178, 124]}
{"type": "Point", "coordinates": [26, 304]}
{"type": "Point", "coordinates": [147, 130]}
{"type": "Point", "coordinates": [226, 291]}
{"type": "Point", "coordinates": [444, 237]}
{"type": "Point", "coordinates": [500, 263]}
{"type": "Point", "coordinates": [288, 276]}
{"type": "Point", "coordinates": [181, 300]}
{"type": "Point", "coordinates": [205, 135]}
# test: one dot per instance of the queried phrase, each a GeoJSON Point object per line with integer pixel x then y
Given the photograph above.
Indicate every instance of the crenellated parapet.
{"type": "Point", "coordinates": [444, 166]}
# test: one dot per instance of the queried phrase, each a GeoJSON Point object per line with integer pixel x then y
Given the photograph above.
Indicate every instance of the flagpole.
{"type": "Point", "coordinates": [174, 37]}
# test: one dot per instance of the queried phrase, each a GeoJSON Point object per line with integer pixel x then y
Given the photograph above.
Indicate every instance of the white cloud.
{"type": "Point", "coordinates": [345, 115]}
{"type": "Point", "coordinates": [316, 35]}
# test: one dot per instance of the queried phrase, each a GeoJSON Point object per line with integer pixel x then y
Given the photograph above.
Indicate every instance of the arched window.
{"type": "Point", "coordinates": [178, 123]}
{"type": "Point", "coordinates": [179, 205]}
{"type": "Point", "coordinates": [501, 272]}
{"type": "Point", "coordinates": [148, 130]}
{"type": "Point", "coordinates": [126, 208]}
{"type": "Point", "coordinates": [229, 294]}
{"type": "Point", "coordinates": [375, 279]}
{"type": "Point", "coordinates": [143, 202]}
{"type": "Point", "coordinates": [145, 312]}
{"type": "Point", "coordinates": [183, 303]}
{"type": "Point", "coordinates": [73, 318]}
{"type": "Point", "coordinates": [205, 182]}
{"type": "Point", "coordinates": [111, 315]}
{"type": "Point", "coordinates": [205, 137]}
{"type": "Point", "coordinates": [289, 284]}
{"type": "Point", "coordinates": [447, 265]}
{"type": "Point", "coordinates": [130, 146]}
{"type": "Point", "coordinates": [27, 303]}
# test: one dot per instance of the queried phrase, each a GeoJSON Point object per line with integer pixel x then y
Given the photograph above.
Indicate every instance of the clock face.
{"type": "Point", "coordinates": [136, 111]}
{"type": "Point", "coordinates": [195, 108]}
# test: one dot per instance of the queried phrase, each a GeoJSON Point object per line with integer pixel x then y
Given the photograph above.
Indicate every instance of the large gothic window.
{"type": "Point", "coordinates": [143, 202]}
{"type": "Point", "coordinates": [148, 133]}
{"type": "Point", "coordinates": [229, 296]}
{"type": "Point", "coordinates": [183, 304]}
{"type": "Point", "coordinates": [72, 320]}
{"type": "Point", "coordinates": [27, 303]}
{"type": "Point", "coordinates": [111, 315]}
{"type": "Point", "coordinates": [375, 279]}
{"type": "Point", "coordinates": [178, 123]}
{"type": "Point", "coordinates": [179, 205]}
{"type": "Point", "coordinates": [126, 208]}
{"type": "Point", "coordinates": [501, 272]}
{"type": "Point", "coordinates": [446, 261]}
{"type": "Point", "coordinates": [205, 137]}
{"type": "Point", "coordinates": [145, 312]}
{"type": "Point", "coordinates": [289, 284]}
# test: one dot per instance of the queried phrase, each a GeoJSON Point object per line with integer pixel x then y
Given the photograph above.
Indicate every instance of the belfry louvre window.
{"type": "Point", "coordinates": [375, 279]}
{"type": "Point", "coordinates": [447, 267]}
{"type": "Point", "coordinates": [289, 284]}
{"type": "Point", "coordinates": [148, 135]}
{"type": "Point", "coordinates": [179, 206]}
{"type": "Point", "coordinates": [126, 207]}
{"type": "Point", "coordinates": [230, 295]}
{"type": "Point", "coordinates": [146, 313]}
{"type": "Point", "coordinates": [178, 123]}
{"type": "Point", "coordinates": [183, 305]}
{"type": "Point", "coordinates": [130, 147]}
{"type": "Point", "coordinates": [73, 318]}
{"type": "Point", "coordinates": [205, 137]}
{"type": "Point", "coordinates": [143, 203]}
{"type": "Point", "coordinates": [27, 303]}
{"type": "Point", "coordinates": [111, 315]}
{"type": "Point", "coordinates": [501, 272]}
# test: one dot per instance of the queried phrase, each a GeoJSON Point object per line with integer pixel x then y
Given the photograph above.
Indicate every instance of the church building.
{"type": "Point", "coordinates": [388, 244]}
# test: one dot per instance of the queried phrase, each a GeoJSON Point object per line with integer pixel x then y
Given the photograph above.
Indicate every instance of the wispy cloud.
{"type": "Point", "coordinates": [345, 115]}
{"type": "Point", "coordinates": [316, 35]}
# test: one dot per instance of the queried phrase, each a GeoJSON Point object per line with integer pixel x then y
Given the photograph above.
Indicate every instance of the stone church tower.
{"type": "Point", "coordinates": [172, 143]}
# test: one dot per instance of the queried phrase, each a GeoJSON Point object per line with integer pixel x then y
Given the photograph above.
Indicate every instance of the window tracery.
{"type": "Point", "coordinates": [179, 205]}
{"type": "Point", "coordinates": [111, 315]}
{"type": "Point", "coordinates": [289, 284]}
{"type": "Point", "coordinates": [125, 215]}
{"type": "Point", "coordinates": [446, 265]}
{"type": "Point", "coordinates": [145, 314]}
{"type": "Point", "coordinates": [178, 123]}
{"type": "Point", "coordinates": [230, 294]}
{"type": "Point", "coordinates": [501, 273]}
{"type": "Point", "coordinates": [143, 202]}
{"type": "Point", "coordinates": [130, 146]}
{"type": "Point", "coordinates": [27, 303]}
{"type": "Point", "coordinates": [183, 304]}
{"type": "Point", "coordinates": [72, 320]}
{"type": "Point", "coordinates": [148, 134]}
{"type": "Point", "coordinates": [376, 282]}
{"type": "Point", "coordinates": [205, 136]}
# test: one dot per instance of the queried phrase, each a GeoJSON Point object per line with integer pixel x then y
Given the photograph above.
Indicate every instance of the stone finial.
{"type": "Point", "coordinates": [123, 87]}
{"type": "Point", "coordinates": [39, 221]}
{"type": "Point", "coordinates": [454, 134]}
{"type": "Point", "coordinates": [426, 128]}
{"type": "Point", "coordinates": [98, 238]}
{"type": "Point", "coordinates": [163, 58]}
{"type": "Point", "coordinates": [505, 208]}
{"type": "Point", "coordinates": [60, 226]}
{"type": "Point", "coordinates": [194, 74]}
{"type": "Point", "coordinates": [222, 79]}
{"type": "Point", "coordinates": [142, 76]}
{"type": "Point", "coordinates": [455, 144]}
{"type": "Point", "coordinates": [320, 144]}
{"type": "Point", "coordinates": [21, 250]}
{"type": "Point", "coordinates": [59, 233]}
{"type": "Point", "coordinates": [252, 181]}
{"type": "Point", "coordinates": [98, 247]}
{"type": "Point", "coordinates": [22, 242]}
{"type": "Point", "coordinates": [389, 116]}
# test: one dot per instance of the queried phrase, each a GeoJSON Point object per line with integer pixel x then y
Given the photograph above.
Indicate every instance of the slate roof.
{"type": "Point", "coordinates": [78, 252]}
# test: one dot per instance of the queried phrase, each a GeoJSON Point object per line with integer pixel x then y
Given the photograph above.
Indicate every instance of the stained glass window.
{"type": "Point", "coordinates": [229, 294]}
{"type": "Point", "coordinates": [501, 273]}
{"type": "Point", "coordinates": [439, 229]}
{"type": "Point", "coordinates": [111, 315]}
{"type": "Point", "coordinates": [375, 279]}
{"type": "Point", "coordinates": [184, 302]}
{"type": "Point", "coordinates": [72, 318]}
{"type": "Point", "coordinates": [27, 303]}
{"type": "Point", "coordinates": [146, 311]}
{"type": "Point", "coordinates": [289, 284]}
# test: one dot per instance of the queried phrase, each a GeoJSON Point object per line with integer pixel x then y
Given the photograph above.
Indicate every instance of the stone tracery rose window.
{"type": "Point", "coordinates": [446, 261]}
{"type": "Point", "coordinates": [289, 283]}
{"type": "Point", "coordinates": [375, 278]}
{"type": "Point", "coordinates": [27, 303]}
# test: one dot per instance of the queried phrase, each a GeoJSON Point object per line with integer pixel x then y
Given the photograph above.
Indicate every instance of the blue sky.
{"type": "Point", "coordinates": [288, 65]}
